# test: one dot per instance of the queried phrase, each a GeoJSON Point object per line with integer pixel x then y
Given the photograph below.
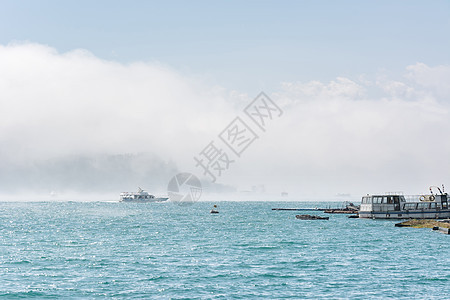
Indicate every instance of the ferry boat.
{"type": "Point", "coordinates": [398, 206]}
{"type": "Point", "coordinates": [140, 196]}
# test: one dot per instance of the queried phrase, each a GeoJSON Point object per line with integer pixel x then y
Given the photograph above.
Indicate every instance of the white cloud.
{"type": "Point", "coordinates": [345, 136]}
{"type": "Point", "coordinates": [339, 88]}
{"type": "Point", "coordinates": [59, 104]}
{"type": "Point", "coordinates": [434, 79]}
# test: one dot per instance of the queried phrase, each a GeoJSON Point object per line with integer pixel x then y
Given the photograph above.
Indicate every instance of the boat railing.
{"type": "Point", "coordinates": [394, 193]}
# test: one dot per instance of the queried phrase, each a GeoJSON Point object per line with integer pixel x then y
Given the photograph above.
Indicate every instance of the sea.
{"type": "Point", "coordinates": [113, 250]}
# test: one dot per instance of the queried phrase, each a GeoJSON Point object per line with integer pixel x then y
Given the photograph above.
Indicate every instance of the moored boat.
{"type": "Point", "coordinates": [398, 206]}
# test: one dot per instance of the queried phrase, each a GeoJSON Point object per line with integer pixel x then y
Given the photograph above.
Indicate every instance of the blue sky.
{"type": "Point", "coordinates": [243, 45]}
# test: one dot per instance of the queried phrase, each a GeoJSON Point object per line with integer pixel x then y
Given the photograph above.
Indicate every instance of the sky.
{"type": "Point", "coordinates": [102, 97]}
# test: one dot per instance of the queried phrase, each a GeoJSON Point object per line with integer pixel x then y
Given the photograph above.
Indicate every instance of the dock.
{"type": "Point", "coordinates": [300, 209]}
{"type": "Point", "coordinates": [340, 211]}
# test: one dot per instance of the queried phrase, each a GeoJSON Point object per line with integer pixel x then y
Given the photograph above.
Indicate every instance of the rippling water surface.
{"type": "Point", "coordinates": [136, 250]}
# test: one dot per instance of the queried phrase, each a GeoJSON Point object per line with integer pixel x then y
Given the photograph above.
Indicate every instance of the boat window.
{"type": "Point", "coordinates": [422, 205]}
{"type": "Point", "coordinates": [410, 205]}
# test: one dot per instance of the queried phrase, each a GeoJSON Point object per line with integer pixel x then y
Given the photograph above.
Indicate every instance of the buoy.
{"type": "Point", "coordinates": [214, 210]}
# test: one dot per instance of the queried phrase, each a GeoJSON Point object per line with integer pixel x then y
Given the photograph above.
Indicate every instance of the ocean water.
{"type": "Point", "coordinates": [96, 250]}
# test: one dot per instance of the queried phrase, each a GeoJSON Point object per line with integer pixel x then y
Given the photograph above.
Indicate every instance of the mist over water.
{"type": "Point", "coordinates": [88, 174]}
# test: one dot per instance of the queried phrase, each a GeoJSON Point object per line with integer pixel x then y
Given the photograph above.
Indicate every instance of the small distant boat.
{"type": "Point", "coordinates": [140, 196]}
{"type": "Point", "coordinates": [398, 206]}
{"type": "Point", "coordinates": [214, 210]}
{"type": "Point", "coordinates": [310, 217]}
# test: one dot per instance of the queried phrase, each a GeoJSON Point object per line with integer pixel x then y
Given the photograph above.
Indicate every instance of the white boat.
{"type": "Point", "coordinates": [140, 196]}
{"type": "Point", "coordinates": [398, 206]}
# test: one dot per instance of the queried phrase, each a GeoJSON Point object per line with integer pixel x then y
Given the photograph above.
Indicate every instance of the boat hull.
{"type": "Point", "coordinates": [443, 214]}
{"type": "Point", "coordinates": [161, 199]}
